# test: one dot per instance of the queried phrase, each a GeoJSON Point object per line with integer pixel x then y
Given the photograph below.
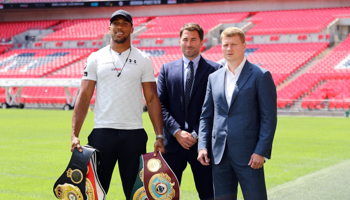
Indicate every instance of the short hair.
{"type": "Point", "coordinates": [193, 27]}
{"type": "Point", "coordinates": [233, 31]}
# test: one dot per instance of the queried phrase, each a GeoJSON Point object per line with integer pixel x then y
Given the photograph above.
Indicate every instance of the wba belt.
{"type": "Point", "coordinates": [80, 180]}
{"type": "Point", "coordinates": [155, 180]}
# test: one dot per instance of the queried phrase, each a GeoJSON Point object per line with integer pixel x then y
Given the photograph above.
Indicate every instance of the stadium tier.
{"type": "Point", "coordinates": [282, 60]}
{"type": "Point", "coordinates": [5, 47]}
{"type": "Point", "coordinates": [84, 29]}
{"type": "Point", "coordinates": [9, 29]}
{"type": "Point", "coordinates": [34, 63]}
{"type": "Point", "coordinates": [337, 91]}
{"type": "Point", "coordinates": [75, 70]}
{"type": "Point", "coordinates": [45, 95]}
{"type": "Point", "coordinates": [334, 66]}
{"type": "Point", "coordinates": [169, 26]}
{"type": "Point", "coordinates": [160, 56]}
{"type": "Point", "coordinates": [295, 21]}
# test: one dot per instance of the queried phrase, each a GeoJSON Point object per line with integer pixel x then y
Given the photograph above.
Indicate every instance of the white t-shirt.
{"type": "Point", "coordinates": [119, 100]}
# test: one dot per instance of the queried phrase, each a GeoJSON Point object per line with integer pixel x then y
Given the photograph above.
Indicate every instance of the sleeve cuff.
{"type": "Point", "coordinates": [176, 131]}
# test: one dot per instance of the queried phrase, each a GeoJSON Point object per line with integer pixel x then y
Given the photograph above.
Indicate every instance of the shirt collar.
{"type": "Point", "coordinates": [238, 69]}
{"type": "Point", "coordinates": [195, 61]}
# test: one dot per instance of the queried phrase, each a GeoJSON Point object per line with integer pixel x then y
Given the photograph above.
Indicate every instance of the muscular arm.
{"type": "Point", "coordinates": [80, 111]}
{"type": "Point", "coordinates": [155, 112]}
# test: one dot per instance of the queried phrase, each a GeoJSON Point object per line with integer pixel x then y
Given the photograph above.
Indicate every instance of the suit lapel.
{"type": "Point", "coordinates": [201, 71]}
{"type": "Point", "coordinates": [178, 73]}
{"type": "Point", "coordinates": [243, 77]}
{"type": "Point", "coordinates": [221, 82]}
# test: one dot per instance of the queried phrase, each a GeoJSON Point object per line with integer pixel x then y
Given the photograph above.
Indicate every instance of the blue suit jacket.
{"type": "Point", "coordinates": [170, 88]}
{"type": "Point", "coordinates": [248, 124]}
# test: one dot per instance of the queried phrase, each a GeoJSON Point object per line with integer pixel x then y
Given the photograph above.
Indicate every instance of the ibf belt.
{"type": "Point", "coordinates": [155, 180]}
{"type": "Point", "coordinates": [80, 180]}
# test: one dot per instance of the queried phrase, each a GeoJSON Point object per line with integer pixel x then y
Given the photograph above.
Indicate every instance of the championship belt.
{"type": "Point", "coordinates": [80, 180]}
{"type": "Point", "coordinates": [155, 180]}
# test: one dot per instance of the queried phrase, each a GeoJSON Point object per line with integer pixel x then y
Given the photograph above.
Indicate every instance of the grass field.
{"type": "Point", "coordinates": [35, 150]}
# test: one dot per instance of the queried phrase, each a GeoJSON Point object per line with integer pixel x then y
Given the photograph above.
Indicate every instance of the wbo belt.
{"type": "Point", "coordinates": [80, 180]}
{"type": "Point", "coordinates": [155, 180]}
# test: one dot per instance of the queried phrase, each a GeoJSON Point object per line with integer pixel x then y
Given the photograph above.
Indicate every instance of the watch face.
{"type": "Point", "coordinates": [194, 135]}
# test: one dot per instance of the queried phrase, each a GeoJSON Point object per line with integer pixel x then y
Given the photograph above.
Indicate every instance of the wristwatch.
{"type": "Point", "coordinates": [194, 135]}
{"type": "Point", "coordinates": [159, 136]}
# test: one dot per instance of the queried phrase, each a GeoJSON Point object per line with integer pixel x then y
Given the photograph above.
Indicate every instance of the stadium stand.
{"type": "Point", "coordinates": [282, 60]}
{"type": "Point", "coordinates": [295, 21]}
{"type": "Point", "coordinates": [5, 47]}
{"type": "Point", "coordinates": [9, 29]}
{"type": "Point", "coordinates": [34, 63]}
{"type": "Point", "coordinates": [84, 29]}
{"type": "Point", "coordinates": [45, 95]}
{"type": "Point", "coordinates": [334, 66]}
{"type": "Point", "coordinates": [160, 56]}
{"type": "Point", "coordinates": [169, 26]}
{"type": "Point", "coordinates": [337, 91]}
{"type": "Point", "coordinates": [72, 71]}
{"type": "Point", "coordinates": [323, 86]}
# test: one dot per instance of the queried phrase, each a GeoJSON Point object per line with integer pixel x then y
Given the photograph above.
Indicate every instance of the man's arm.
{"type": "Point", "coordinates": [170, 124]}
{"type": "Point", "coordinates": [205, 126]}
{"type": "Point", "coordinates": [155, 112]}
{"type": "Point", "coordinates": [267, 97]}
{"type": "Point", "coordinates": [80, 110]}
{"type": "Point", "coordinates": [184, 138]}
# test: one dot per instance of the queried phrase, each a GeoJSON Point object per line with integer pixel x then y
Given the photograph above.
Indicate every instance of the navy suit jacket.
{"type": "Point", "coordinates": [170, 88]}
{"type": "Point", "coordinates": [248, 124]}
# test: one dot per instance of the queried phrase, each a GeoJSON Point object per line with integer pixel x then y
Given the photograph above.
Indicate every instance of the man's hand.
{"type": "Point", "coordinates": [185, 139]}
{"type": "Point", "coordinates": [256, 161]}
{"type": "Point", "coordinates": [75, 143]}
{"type": "Point", "coordinates": [203, 157]}
{"type": "Point", "coordinates": [159, 146]}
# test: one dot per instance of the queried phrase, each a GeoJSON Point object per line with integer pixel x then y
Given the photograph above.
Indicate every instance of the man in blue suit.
{"type": "Point", "coordinates": [239, 119]}
{"type": "Point", "coordinates": [181, 88]}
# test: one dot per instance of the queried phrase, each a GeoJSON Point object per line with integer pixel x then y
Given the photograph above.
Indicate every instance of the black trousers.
{"type": "Point", "coordinates": [202, 174]}
{"type": "Point", "coordinates": [124, 146]}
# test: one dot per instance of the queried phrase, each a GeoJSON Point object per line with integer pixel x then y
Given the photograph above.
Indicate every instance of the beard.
{"type": "Point", "coordinates": [121, 40]}
{"type": "Point", "coordinates": [190, 54]}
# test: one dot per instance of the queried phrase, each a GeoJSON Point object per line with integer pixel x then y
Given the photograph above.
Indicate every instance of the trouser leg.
{"type": "Point", "coordinates": [132, 145]}
{"type": "Point", "coordinates": [177, 162]}
{"type": "Point", "coordinates": [225, 179]}
{"type": "Point", "coordinates": [202, 175]}
{"type": "Point", "coordinates": [104, 140]}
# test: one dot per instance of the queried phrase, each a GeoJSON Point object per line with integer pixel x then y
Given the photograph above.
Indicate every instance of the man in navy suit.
{"type": "Point", "coordinates": [181, 88]}
{"type": "Point", "coordinates": [239, 119]}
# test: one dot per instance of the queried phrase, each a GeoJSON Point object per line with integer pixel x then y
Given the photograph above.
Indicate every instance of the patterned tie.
{"type": "Point", "coordinates": [189, 81]}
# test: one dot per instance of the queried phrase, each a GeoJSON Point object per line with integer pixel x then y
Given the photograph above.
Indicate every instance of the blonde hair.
{"type": "Point", "coordinates": [233, 31]}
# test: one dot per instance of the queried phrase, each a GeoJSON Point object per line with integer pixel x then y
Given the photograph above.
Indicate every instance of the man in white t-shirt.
{"type": "Point", "coordinates": [119, 71]}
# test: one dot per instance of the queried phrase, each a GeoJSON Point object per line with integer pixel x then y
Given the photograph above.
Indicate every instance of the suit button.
{"type": "Point", "coordinates": [229, 115]}
{"type": "Point", "coordinates": [226, 131]}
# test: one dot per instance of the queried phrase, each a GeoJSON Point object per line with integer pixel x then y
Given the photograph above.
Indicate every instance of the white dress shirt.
{"type": "Point", "coordinates": [231, 81]}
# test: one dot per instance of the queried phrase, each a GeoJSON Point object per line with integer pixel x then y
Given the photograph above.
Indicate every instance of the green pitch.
{"type": "Point", "coordinates": [35, 150]}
